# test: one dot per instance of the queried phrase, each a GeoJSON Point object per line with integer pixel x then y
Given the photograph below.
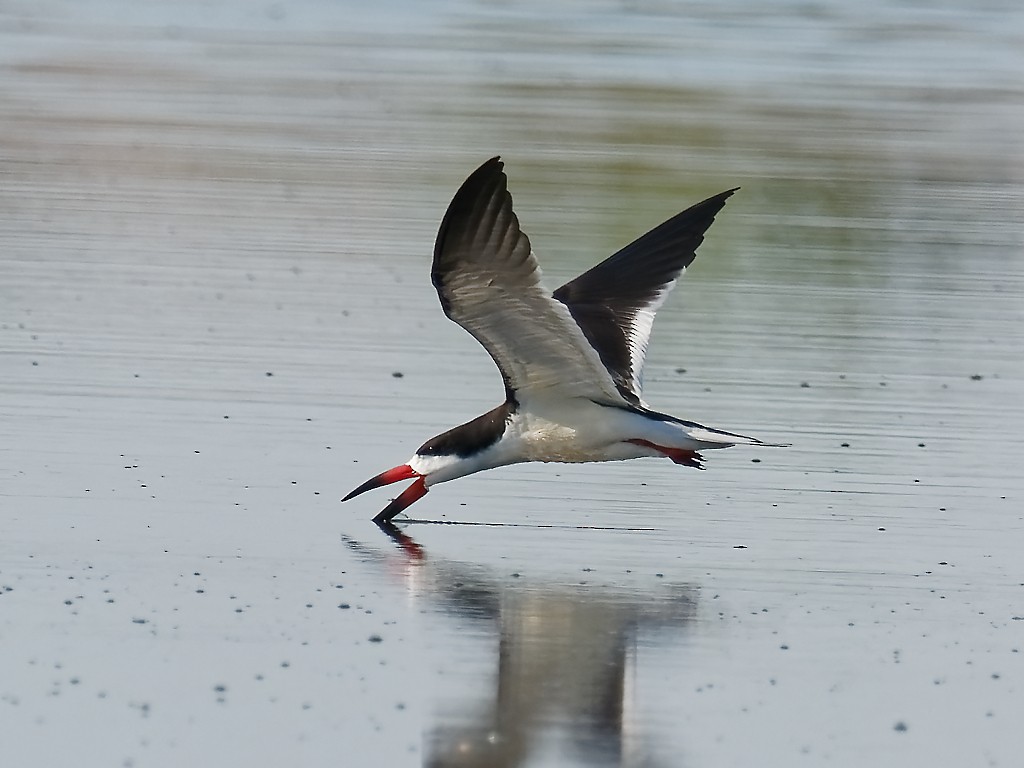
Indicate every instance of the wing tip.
{"type": "Point", "coordinates": [721, 196]}
{"type": "Point", "coordinates": [468, 195]}
{"type": "Point", "coordinates": [495, 163]}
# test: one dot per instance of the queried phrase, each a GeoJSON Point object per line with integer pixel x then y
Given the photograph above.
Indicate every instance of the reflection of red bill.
{"type": "Point", "coordinates": [414, 553]}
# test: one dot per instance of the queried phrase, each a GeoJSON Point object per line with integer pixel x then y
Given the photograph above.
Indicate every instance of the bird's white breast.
{"type": "Point", "coordinates": [572, 431]}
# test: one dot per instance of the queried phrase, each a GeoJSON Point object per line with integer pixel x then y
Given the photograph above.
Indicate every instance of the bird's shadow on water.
{"type": "Point", "coordinates": [566, 662]}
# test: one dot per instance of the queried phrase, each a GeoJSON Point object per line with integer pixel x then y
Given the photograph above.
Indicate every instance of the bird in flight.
{"type": "Point", "coordinates": [572, 360]}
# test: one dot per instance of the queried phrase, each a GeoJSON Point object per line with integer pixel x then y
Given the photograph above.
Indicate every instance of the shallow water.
{"type": "Point", "coordinates": [216, 227]}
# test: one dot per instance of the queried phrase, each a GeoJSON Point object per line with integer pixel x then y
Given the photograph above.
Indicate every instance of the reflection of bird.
{"type": "Point", "coordinates": [565, 686]}
{"type": "Point", "coordinates": [571, 361]}
{"type": "Point", "coordinates": [565, 683]}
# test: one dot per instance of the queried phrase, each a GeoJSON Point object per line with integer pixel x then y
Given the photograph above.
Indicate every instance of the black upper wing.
{"type": "Point", "coordinates": [614, 302]}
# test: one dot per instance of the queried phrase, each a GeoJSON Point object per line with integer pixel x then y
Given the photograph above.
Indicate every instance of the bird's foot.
{"type": "Point", "coordinates": [678, 455]}
{"type": "Point", "coordinates": [686, 458]}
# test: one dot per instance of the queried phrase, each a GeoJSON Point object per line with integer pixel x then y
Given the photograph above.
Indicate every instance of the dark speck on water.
{"type": "Point", "coordinates": [397, 374]}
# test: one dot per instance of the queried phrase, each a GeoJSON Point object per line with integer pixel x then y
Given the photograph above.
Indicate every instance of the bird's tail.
{"type": "Point", "coordinates": [719, 438]}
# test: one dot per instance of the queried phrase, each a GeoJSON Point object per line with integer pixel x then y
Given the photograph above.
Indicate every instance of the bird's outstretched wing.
{"type": "Point", "coordinates": [489, 283]}
{"type": "Point", "coordinates": [614, 302]}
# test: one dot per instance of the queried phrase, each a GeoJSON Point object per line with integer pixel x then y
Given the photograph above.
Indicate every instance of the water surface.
{"type": "Point", "coordinates": [217, 221]}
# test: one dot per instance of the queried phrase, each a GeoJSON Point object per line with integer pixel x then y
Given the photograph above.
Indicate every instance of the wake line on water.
{"type": "Point", "coordinates": [410, 521]}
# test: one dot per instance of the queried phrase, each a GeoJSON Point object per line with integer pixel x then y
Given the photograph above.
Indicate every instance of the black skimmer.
{"type": "Point", "coordinates": [571, 360]}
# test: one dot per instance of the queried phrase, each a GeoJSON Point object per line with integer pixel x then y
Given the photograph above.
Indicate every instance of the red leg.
{"type": "Point", "coordinates": [678, 455]}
